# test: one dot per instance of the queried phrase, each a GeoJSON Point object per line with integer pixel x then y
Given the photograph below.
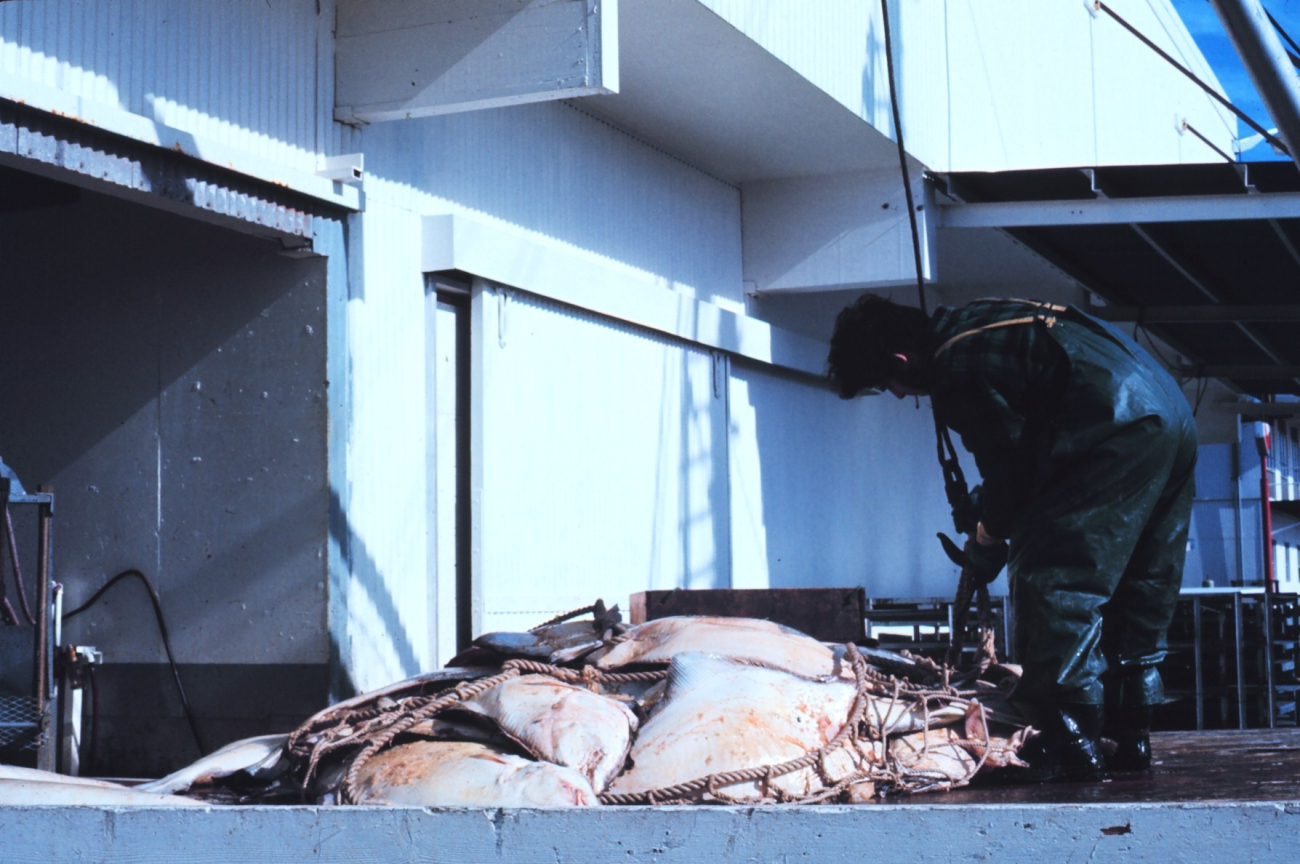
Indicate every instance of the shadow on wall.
{"type": "Point", "coordinates": [168, 378]}
{"type": "Point", "coordinates": [834, 493]}
{"type": "Point", "coordinates": [876, 105]}
{"type": "Point", "coordinates": [383, 628]}
{"type": "Point", "coordinates": [100, 49]}
{"type": "Point", "coordinates": [106, 304]}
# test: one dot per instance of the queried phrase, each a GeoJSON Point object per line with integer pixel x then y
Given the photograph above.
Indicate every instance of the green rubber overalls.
{"type": "Point", "coordinates": [1097, 548]}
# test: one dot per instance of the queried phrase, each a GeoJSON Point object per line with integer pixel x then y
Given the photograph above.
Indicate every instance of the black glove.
{"type": "Point", "coordinates": [985, 562]}
{"type": "Point", "coordinates": [966, 512]}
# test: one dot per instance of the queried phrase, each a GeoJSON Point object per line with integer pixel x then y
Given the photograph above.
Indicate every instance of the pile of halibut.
{"type": "Point", "coordinates": [720, 697]}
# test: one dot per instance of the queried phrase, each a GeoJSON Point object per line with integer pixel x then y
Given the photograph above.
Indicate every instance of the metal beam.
{"type": "Point", "coordinates": [1266, 60]}
{"type": "Point", "coordinates": [1196, 314]}
{"type": "Point", "coordinates": [1261, 410]}
{"type": "Point", "coordinates": [1121, 211]}
{"type": "Point", "coordinates": [85, 156]}
{"type": "Point", "coordinates": [1258, 373]}
{"type": "Point", "coordinates": [1198, 281]}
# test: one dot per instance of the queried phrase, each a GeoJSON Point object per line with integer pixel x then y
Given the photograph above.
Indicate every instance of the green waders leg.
{"type": "Point", "coordinates": [1111, 523]}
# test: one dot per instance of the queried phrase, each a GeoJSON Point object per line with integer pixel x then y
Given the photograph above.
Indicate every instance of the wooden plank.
{"type": "Point", "coordinates": [828, 614]}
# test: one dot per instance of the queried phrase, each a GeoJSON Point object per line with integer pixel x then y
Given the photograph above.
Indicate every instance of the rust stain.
{"type": "Point", "coordinates": [397, 772]}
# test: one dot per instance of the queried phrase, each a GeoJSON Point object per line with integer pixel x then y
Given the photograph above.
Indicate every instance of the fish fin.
{"type": "Point", "coordinates": [513, 643]}
{"type": "Point", "coordinates": [692, 669]}
{"type": "Point", "coordinates": [574, 652]}
{"type": "Point", "coordinates": [976, 729]}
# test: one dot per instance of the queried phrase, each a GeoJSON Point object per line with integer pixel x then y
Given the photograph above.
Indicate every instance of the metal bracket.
{"type": "Point", "coordinates": [349, 168]}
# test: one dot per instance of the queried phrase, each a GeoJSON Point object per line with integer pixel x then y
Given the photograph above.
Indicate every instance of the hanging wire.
{"type": "Point", "coordinates": [1295, 61]}
{"type": "Point", "coordinates": [1140, 327]}
{"type": "Point", "coordinates": [954, 480]}
{"type": "Point", "coordinates": [1203, 384]}
{"type": "Point", "coordinates": [1270, 138]}
{"type": "Point", "coordinates": [902, 158]}
{"type": "Point", "coordinates": [1207, 142]}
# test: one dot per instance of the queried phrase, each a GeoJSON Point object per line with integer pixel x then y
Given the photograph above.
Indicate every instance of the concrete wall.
{"type": "Point", "coordinates": [168, 379]}
{"type": "Point", "coordinates": [920, 831]}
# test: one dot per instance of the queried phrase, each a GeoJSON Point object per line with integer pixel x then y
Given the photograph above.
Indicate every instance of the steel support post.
{"type": "Point", "coordinates": [1266, 60]}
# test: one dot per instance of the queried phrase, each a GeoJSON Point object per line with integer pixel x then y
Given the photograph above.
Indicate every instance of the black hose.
{"type": "Point", "coordinates": [93, 685]}
{"type": "Point", "coordinates": [166, 640]}
{"type": "Point", "coordinates": [18, 572]}
{"type": "Point", "coordinates": [902, 159]}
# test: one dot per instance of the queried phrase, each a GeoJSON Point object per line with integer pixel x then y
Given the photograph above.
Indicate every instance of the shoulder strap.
{"type": "Point", "coordinates": [1048, 320]}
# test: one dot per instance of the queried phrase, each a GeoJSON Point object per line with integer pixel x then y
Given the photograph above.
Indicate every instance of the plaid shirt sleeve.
{"type": "Point", "coordinates": [992, 388]}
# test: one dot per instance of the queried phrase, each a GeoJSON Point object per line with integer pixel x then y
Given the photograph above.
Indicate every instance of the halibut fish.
{"type": "Point", "coordinates": [258, 756]}
{"type": "Point", "coordinates": [26, 786]}
{"type": "Point", "coordinates": [751, 639]}
{"type": "Point", "coordinates": [561, 723]}
{"type": "Point", "coordinates": [720, 715]}
{"type": "Point", "coordinates": [463, 774]}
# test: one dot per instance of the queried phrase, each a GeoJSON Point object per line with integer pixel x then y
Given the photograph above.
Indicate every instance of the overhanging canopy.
{"type": "Point", "coordinates": [1194, 252]}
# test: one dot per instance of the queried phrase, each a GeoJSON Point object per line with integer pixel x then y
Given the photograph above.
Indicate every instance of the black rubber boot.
{"type": "Point", "coordinates": [1130, 729]}
{"type": "Point", "coordinates": [1067, 749]}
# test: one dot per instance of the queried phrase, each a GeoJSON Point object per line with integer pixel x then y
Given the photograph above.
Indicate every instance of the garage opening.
{"type": "Point", "coordinates": [167, 379]}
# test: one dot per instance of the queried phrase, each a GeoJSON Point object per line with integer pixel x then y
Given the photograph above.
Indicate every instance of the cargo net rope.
{"type": "Point", "coordinates": [367, 729]}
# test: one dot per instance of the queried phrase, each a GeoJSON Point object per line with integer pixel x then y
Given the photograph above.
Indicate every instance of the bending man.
{"type": "Point", "coordinates": [1086, 449]}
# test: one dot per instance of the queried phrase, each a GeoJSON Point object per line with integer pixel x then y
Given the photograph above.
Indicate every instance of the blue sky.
{"type": "Point", "coordinates": [1203, 22]}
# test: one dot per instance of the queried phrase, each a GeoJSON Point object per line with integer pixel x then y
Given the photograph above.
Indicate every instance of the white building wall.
{"type": "Point", "coordinates": [390, 631]}
{"type": "Point", "coordinates": [602, 447]}
{"type": "Point", "coordinates": [1007, 85]}
{"type": "Point", "coordinates": [604, 462]}
{"type": "Point", "coordinates": [242, 74]}
{"type": "Point", "coordinates": [612, 460]}
{"type": "Point", "coordinates": [553, 170]}
{"type": "Point", "coordinates": [832, 493]}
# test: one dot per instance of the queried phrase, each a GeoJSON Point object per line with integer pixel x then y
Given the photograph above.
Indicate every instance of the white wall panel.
{"type": "Point", "coordinates": [240, 73]}
{"type": "Point", "coordinates": [390, 632]}
{"type": "Point", "coordinates": [1006, 85]}
{"type": "Point", "coordinates": [559, 173]}
{"type": "Point", "coordinates": [603, 463]}
{"type": "Point", "coordinates": [826, 492]}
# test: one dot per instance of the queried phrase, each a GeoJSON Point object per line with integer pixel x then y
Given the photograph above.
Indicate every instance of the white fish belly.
{"type": "Point", "coordinates": [30, 792]}
{"type": "Point", "coordinates": [720, 716]}
{"type": "Point", "coordinates": [462, 774]}
{"type": "Point", "coordinates": [742, 638]}
{"type": "Point", "coordinates": [248, 754]}
{"type": "Point", "coordinates": [563, 724]}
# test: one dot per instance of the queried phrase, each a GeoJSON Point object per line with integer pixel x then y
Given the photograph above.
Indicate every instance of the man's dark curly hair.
{"type": "Point", "coordinates": [867, 336]}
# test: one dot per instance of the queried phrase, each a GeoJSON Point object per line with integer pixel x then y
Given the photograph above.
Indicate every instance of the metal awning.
{"type": "Point", "coordinates": [1206, 257]}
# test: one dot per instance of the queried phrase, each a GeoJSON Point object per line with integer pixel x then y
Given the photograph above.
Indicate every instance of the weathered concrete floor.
{"type": "Point", "coordinates": [1252, 765]}
{"type": "Point", "coordinates": [1215, 797]}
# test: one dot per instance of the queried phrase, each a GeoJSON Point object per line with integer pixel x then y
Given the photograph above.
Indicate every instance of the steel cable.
{"type": "Point", "coordinates": [1164, 55]}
